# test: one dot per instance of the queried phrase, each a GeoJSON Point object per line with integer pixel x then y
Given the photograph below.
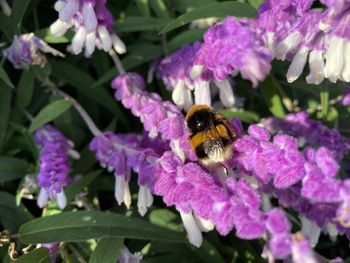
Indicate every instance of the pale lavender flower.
{"type": "Point", "coordinates": [276, 17]}
{"type": "Point", "coordinates": [301, 250]}
{"type": "Point", "coordinates": [231, 47]}
{"type": "Point", "coordinates": [92, 22]}
{"type": "Point", "coordinates": [54, 166]}
{"type": "Point", "coordinates": [27, 50]}
{"type": "Point", "coordinates": [186, 89]}
{"type": "Point", "coordinates": [53, 250]}
{"type": "Point", "coordinates": [126, 256]}
{"type": "Point", "coordinates": [323, 38]}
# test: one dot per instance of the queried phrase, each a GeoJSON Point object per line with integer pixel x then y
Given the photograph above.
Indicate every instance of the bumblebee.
{"type": "Point", "coordinates": [211, 135]}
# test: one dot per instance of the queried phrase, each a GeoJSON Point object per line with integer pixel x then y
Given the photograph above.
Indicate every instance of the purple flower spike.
{"type": "Point", "coordinates": [231, 47]}
{"type": "Point", "coordinates": [314, 132]}
{"type": "Point", "coordinates": [27, 50]}
{"type": "Point", "coordinates": [319, 37]}
{"type": "Point", "coordinates": [158, 117]}
{"type": "Point", "coordinates": [54, 165]}
{"type": "Point", "coordinates": [92, 22]}
{"type": "Point", "coordinates": [189, 86]}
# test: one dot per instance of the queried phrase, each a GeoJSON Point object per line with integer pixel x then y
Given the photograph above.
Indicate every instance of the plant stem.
{"type": "Point", "coordinates": [86, 117]}
{"type": "Point", "coordinates": [117, 62]}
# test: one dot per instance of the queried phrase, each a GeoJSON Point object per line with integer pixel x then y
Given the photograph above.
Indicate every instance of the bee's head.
{"type": "Point", "coordinates": [198, 118]}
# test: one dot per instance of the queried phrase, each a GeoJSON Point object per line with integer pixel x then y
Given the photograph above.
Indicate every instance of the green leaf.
{"type": "Point", "coordinates": [46, 35]}
{"type": "Point", "coordinates": [107, 250]}
{"type": "Point", "coordinates": [159, 8]}
{"type": "Point", "coordinates": [40, 255]}
{"type": "Point", "coordinates": [134, 24]}
{"type": "Point", "coordinates": [49, 113]}
{"type": "Point", "coordinates": [220, 10]}
{"type": "Point", "coordinates": [5, 77]}
{"type": "Point", "coordinates": [186, 5]}
{"type": "Point", "coordinates": [255, 3]}
{"type": "Point", "coordinates": [244, 116]}
{"type": "Point", "coordinates": [143, 7]}
{"type": "Point", "coordinates": [166, 218]}
{"type": "Point", "coordinates": [82, 82]}
{"type": "Point", "coordinates": [269, 91]}
{"type": "Point", "coordinates": [5, 110]}
{"type": "Point", "coordinates": [5, 26]}
{"type": "Point", "coordinates": [142, 55]}
{"type": "Point", "coordinates": [83, 225]}
{"type": "Point", "coordinates": [11, 216]}
{"type": "Point", "coordinates": [75, 188]}
{"type": "Point", "coordinates": [25, 88]}
{"type": "Point", "coordinates": [12, 168]}
{"type": "Point", "coordinates": [18, 10]}
{"type": "Point", "coordinates": [186, 37]}
{"type": "Point", "coordinates": [208, 253]}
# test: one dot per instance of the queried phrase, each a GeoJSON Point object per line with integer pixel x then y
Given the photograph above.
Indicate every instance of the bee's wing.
{"type": "Point", "coordinates": [213, 146]}
{"type": "Point", "coordinates": [231, 132]}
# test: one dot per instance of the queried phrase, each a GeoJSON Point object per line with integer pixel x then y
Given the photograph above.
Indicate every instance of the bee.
{"type": "Point", "coordinates": [211, 135]}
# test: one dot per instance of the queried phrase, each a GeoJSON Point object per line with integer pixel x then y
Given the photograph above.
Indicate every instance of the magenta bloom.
{"type": "Point", "coordinates": [315, 133]}
{"type": "Point", "coordinates": [255, 152]}
{"type": "Point", "coordinates": [92, 22]}
{"type": "Point", "coordinates": [54, 165]}
{"type": "Point", "coordinates": [231, 47]}
{"type": "Point", "coordinates": [159, 117]}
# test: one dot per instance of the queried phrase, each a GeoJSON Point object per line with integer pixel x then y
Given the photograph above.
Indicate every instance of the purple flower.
{"type": "Point", "coordinates": [212, 199]}
{"type": "Point", "coordinates": [346, 97]}
{"type": "Point", "coordinates": [343, 213]}
{"type": "Point", "coordinates": [324, 44]}
{"type": "Point", "coordinates": [92, 22]}
{"type": "Point", "coordinates": [231, 47]}
{"type": "Point", "coordinates": [53, 250]}
{"type": "Point", "coordinates": [175, 72]}
{"type": "Point", "coordinates": [275, 18]}
{"type": "Point", "coordinates": [301, 250]}
{"type": "Point", "coordinates": [314, 132]}
{"type": "Point", "coordinates": [54, 165]}
{"type": "Point", "coordinates": [279, 228]}
{"type": "Point", "coordinates": [255, 152]}
{"type": "Point", "coordinates": [159, 118]}
{"type": "Point", "coordinates": [27, 49]}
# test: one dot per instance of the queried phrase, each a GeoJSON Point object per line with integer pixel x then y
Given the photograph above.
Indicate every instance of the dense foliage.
{"type": "Point", "coordinates": [95, 162]}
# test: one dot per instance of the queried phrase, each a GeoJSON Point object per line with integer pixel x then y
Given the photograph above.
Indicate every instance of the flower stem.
{"type": "Point", "coordinates": [86, 117]}
{"type": "Point", "coordinates": [117, 61]}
